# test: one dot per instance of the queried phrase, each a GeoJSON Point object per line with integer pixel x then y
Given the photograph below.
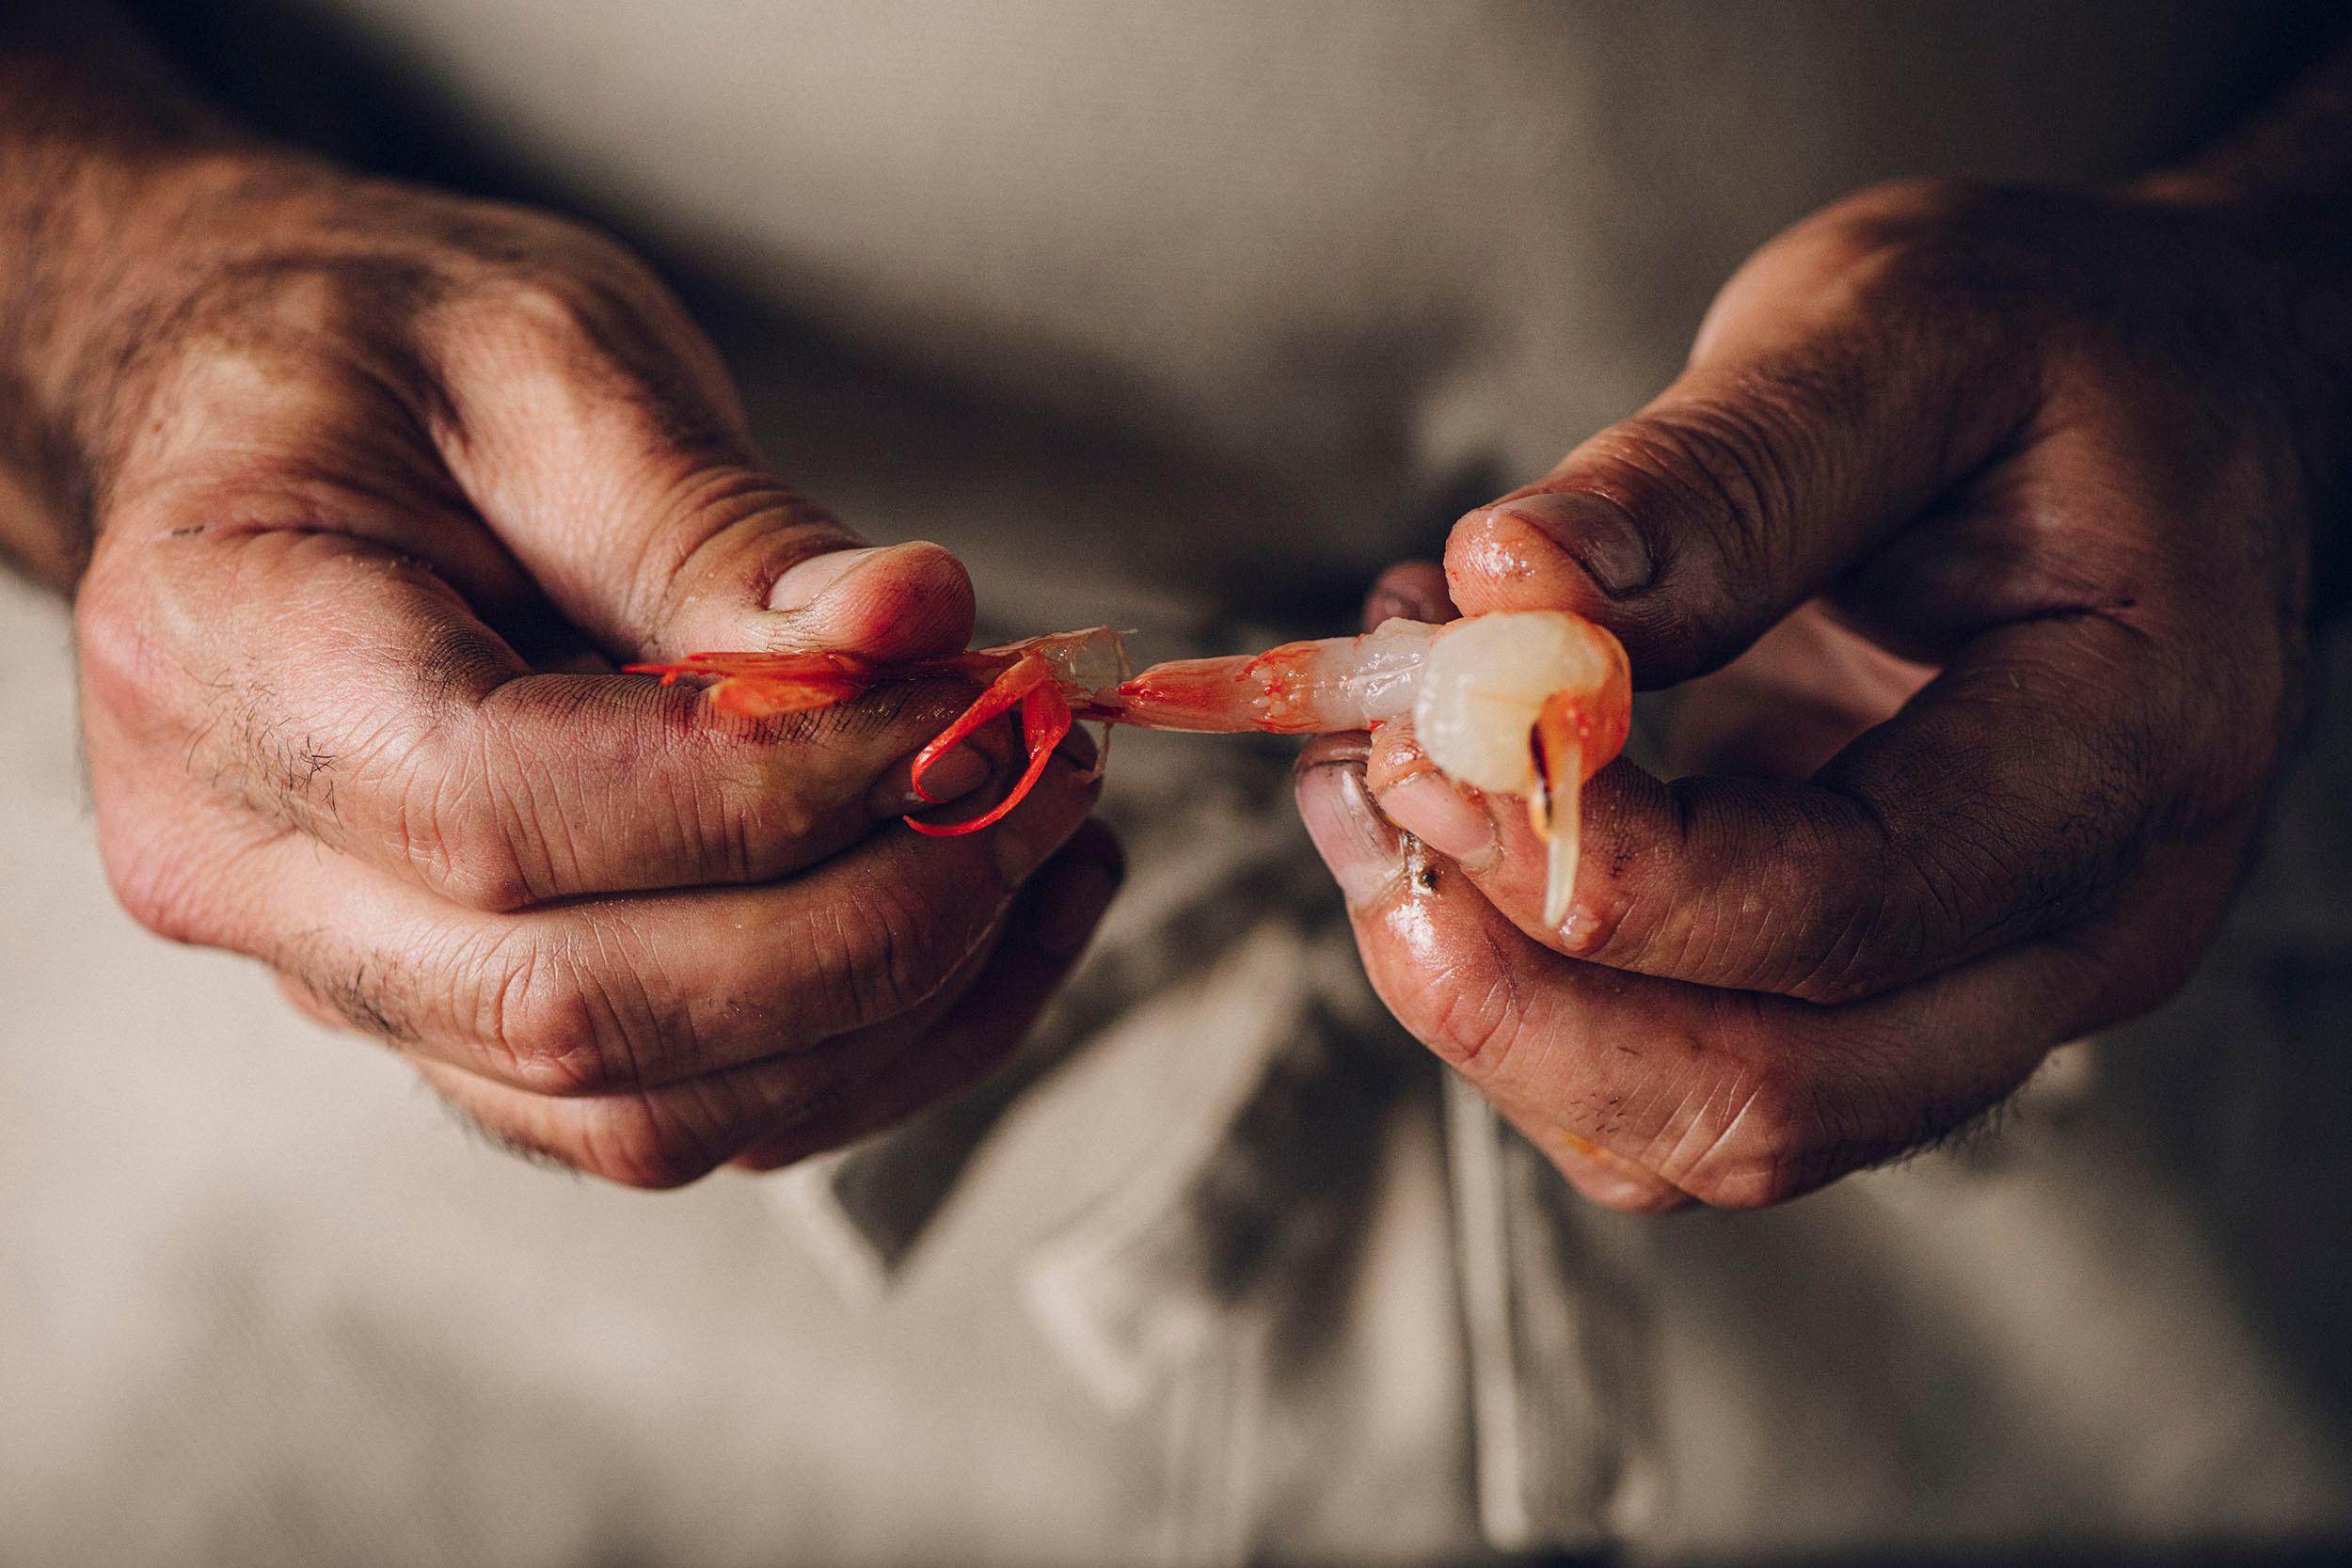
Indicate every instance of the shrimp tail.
{"type": "Point", "coordinates": [1045, 718]}
{"type": "Point", "coordinates": [1554, 808]}
{"type": "Point", "coordinates": [1196, 694]}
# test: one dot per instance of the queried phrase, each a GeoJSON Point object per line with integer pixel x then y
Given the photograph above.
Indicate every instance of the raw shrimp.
{"type": "Point", "coordinates": [1531, 703]}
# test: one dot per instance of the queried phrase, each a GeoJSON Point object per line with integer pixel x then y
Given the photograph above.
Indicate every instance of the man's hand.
{"type": "Point", "coordinates": [380, 484]}
{"type": "Point", "coordinates": [1993, 515]}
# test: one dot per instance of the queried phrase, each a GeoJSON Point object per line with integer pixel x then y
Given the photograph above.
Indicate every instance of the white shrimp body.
{"type": "Point", "coordinates": [1473, 688]}
{"type": "Point", "coordinates": [1531, 703]}
{"type": "Point", "coordinates": [1484, 684]}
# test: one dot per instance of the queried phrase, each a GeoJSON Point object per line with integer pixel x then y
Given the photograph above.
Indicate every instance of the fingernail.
{"type": "Point", "coordinates": [1425, 806]}
{"type": "Point", "coordinates": [958, 773]}
{"type": "Point", "coordinates": [1363, 851]}
{"type": "Point", "coordinates": [800, 587]}
{"type": "Point", "coordinates": [1590, 529]}
{"type": "Point", "coordinates": [1074, 905]}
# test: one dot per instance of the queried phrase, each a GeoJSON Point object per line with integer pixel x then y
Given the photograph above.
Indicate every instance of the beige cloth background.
{"type": "Point", "coordinates": [1185, 318]}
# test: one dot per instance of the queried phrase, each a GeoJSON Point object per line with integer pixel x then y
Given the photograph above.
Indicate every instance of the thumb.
{"type": "Point", "coordinates": [605, 447]}
{"type": "Point", "coordinates": [1760, 474]}
{"type": "Point", "coordinates": [737, 560]}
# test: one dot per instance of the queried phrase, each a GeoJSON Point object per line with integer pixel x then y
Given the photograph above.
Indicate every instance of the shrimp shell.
{"type": "Point", "coordinates": [1529, 703]}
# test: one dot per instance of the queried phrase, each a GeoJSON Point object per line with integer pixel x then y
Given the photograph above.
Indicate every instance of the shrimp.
{"type": "Point", "coordinates": [1530, 702]}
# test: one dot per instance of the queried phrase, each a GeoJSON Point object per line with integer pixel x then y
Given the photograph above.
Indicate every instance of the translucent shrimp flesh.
{"type": "Point", "coordinates": [1531, 703]}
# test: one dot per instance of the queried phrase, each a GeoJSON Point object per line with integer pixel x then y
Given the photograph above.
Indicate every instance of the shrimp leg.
{"type": "Point", "coordinates": [1044, 720]}
{"type": "Point", "coordinates": [1556, 805]}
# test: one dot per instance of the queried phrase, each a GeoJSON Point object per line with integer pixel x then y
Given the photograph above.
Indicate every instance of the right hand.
{"type": "Point", "coordinates": [366, 464]}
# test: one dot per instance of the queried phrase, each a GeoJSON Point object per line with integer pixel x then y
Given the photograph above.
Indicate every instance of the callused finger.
{"type": "Point", "coordinates": [351, 693]}
{"type": "Point", "coordinates": [1731, 1097]}
{"type": "Point", "coordinates": [619, 995]}
{"type": "Point", "coordinates": [774, 1112]}
{"type": "Point", "coordinates": [2002, 802]}
{"type": "Point", "coordinates": [1043, 937]}
{"type": "Point", "coordinates": [593, 427]}
{"type": "Point", "coordinates": [1809, 423]}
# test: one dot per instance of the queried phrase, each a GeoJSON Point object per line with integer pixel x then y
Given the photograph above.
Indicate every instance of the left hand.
{"type": "Point", "coordinates": [1989, 518]}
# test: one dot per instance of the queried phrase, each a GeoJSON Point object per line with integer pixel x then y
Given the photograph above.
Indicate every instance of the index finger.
{"type": "Point", "coordinates": [1735, 1099]}
{"type": "Point", "coordinates": [2009, 797]}
{"type": "Point", "coordinates": [351, 693]}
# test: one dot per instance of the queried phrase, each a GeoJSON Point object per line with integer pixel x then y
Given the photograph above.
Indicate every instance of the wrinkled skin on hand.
{"type": "Point", "coordinates": [1980, 523]}
{"type": "Point", "coordinates": [385, 482]}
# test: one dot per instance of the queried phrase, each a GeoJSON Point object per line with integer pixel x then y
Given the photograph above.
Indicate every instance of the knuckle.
{"type": "Point", "coordinates": [1769, 1141]}
{"type": "Point", "coordinates": [1471, 1027]}
{"type": "Point", "coordinates": [467, 835]}
{"type": "Point", "coordinates": [549, 314]}
{"type": "Point", "coordinates": [557, 1027]}
{"type": "Point", "coordinates": [484, 875]}
{"type": "Point", "coordinates": [733, 806]}
{"type": "Point", "coordinates": [115, 644]}
{"type": "Point", "coordinates": [1856, 941]}
{"type": "Point", "coordinates": [1861, 234]}
{"type": "Point", "coordinates": [641, 1140]}
{"type": "Point", "coordinates": [753, 835]}
{"type": "Point", "coordinates": [724, 524]}
{"type": "Point", "coordinates": [884, 954]}
{"type": "Point", "coordinates": [1727, 459]}
{"type": "Point", "coordinates": [1715, 479]}
{"type": "Point", "coordinates": [558, 287]}
{"type": "Point", "coordinates": [1895, 910]}
{"type": "Point", "coordinates": [556, 292]}
{"type": "Point", "coordinates": [154, 887]}
{"type": "Point", "coordinates": [1757, 1121]}
{"type": "Point", "coordinates": [1932, 236]}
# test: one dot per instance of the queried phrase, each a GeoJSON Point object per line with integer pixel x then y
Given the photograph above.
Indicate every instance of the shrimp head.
{"type": "Point", "coordinates": [1529, 704]}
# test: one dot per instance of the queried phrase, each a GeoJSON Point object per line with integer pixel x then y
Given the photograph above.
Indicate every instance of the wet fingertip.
{"type": "Point", "coordinates": [901, 601]}
{"type": "Point", "coordinates": [1555, 549]}
{"type": "Point", "coordinates": [1424, 805]}
{"type": "Point", "coordinates": [1363, 853]}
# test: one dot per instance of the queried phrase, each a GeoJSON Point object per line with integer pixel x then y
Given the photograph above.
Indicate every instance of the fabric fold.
{"type": "Point", "coordinates": [1559, 1413]}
